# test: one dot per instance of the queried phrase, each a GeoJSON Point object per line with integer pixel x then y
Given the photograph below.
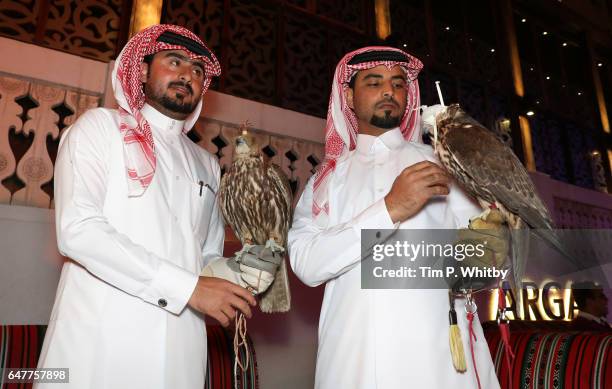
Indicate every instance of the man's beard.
{"type": "Point", "coordinates": [177, 104]}
{"type": "Point", "coordinates": [386, 122]}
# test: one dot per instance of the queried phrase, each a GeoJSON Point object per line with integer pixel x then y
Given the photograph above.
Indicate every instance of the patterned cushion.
{"type": "Point", "coordinates": [563, 360]}
{"type": "Point", "coordinates": [20, 346]}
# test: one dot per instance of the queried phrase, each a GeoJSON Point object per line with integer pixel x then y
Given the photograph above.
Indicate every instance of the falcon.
{"type": "Point", "coordinates": [490, 171]}
{"type": "Point", "coordinates": [255, 198]}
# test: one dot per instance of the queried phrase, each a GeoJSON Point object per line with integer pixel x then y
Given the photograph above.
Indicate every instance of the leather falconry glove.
{"type": "Point", "coordinates": [490, 235]}
{"type": "Point", "coordinates": [253, 267]}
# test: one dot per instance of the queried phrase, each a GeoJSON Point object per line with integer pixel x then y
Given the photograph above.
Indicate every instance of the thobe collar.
{"type": "Point", "coordinates": [390, 140]}
{"type": "Point", "coordinates": [594, 318]}
{"type": "Point", "coordinates": [162, 124]}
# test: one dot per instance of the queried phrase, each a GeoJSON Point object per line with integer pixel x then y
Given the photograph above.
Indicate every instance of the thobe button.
{"type": "Point", "coordinates": [177, 177]}
{"type": "Point", "coordinates": [162, 303]}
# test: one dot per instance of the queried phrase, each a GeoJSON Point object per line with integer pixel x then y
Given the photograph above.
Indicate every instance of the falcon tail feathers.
{"type": "Point", "coordinates": [519, 253]}
{"type": "Point", "coordinates": [278, 297]}
{"type": "Point", "coordinates": [551, 237]}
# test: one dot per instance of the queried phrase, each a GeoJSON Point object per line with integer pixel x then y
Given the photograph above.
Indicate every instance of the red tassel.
{"type": "Point", "coordinates": [504, 329]}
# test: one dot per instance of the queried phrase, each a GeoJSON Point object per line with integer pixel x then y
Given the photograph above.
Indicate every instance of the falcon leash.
{"type": "Point", "coordinates": [470, 311]}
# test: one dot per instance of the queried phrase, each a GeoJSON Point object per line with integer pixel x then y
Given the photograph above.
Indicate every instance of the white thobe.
{"type": "Point", "coordinates": [120, 318]}
{"type": "Point", "coordinates": [384, 339]}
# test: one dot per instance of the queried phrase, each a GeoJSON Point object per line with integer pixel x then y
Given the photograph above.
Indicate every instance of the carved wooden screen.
{"type": "Point", "coordinates": [32, 116]}
{"type": "Point", "coordinates": [88, 28]}
{"type": "Point", "coordinates": [297, 157]}
{"type": "Point", "coordinates": [280, 52]}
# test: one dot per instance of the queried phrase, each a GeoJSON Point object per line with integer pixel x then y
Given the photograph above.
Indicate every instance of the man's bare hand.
{"type": "Point", "coordinates": [221, 299]}
{"type": "Point", "coordinates": [415, 185]}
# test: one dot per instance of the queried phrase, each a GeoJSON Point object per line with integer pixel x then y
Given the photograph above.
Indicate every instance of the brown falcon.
{"type": "Point", "coordinates": [256, 201]}
{"type": "Point", "coordinates": [490, 171]}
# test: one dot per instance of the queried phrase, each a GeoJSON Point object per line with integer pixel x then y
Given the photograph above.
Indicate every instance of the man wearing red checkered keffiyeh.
{"type": "Point", "coordinates": [378, 175]}
{"type": "Point", "coordinates": [137, 215]}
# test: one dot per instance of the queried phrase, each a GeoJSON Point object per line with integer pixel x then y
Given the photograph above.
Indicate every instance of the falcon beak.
{"type": "Point", "coordinates": [240, 141]}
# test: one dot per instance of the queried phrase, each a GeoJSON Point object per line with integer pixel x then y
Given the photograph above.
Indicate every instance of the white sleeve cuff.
{"type": "Point", "coordinates": [172, 287]}
{"type": "Point", "coordinates": [376, 217]}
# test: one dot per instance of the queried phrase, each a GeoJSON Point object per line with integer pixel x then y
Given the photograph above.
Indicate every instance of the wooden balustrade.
{"type": "Point", "coordinates": [33, 115]}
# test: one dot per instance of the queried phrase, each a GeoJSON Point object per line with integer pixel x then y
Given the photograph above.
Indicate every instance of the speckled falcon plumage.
{"type": "Point", "coordinates": [490, 171]}
{"type": "Point", "coordinates": [256, 201]}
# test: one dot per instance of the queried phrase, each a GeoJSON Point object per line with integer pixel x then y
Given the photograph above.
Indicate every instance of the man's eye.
{"type": "Point", "coordinates": [198, 72]}
{"type": "Point", "coordinates": [399, 85]}
{"type": "Point", "coordinates": [373, 84]}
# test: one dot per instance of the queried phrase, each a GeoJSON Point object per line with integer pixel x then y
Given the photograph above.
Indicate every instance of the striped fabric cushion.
{"type": "Point", "coordinates": [20, 346]}
{"type": "Point", "coordinates": [221, 361]}
{"type": "Point", "coordinates": [563, 360]}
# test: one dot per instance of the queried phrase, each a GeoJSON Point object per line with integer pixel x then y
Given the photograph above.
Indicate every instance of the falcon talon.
{"type": "Point", "coordinates": [274, 247]}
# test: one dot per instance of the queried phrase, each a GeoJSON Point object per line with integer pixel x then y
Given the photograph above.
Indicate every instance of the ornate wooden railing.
{"type": "Point", "coordinates": [33, 115]}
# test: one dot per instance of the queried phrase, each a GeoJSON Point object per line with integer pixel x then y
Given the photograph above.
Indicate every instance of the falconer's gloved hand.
{"type": "Point", "coordinates": [490, 237]}
{"type": "Point", "coordinates": [490, 231]}
{"type": "Point", "coordinates": [253, 267]}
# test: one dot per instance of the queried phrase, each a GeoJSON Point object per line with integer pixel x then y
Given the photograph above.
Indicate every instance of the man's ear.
{"type": "Point", "coordinates": [144, 72]}
{"type": "Point", "coordinates": [348, 94]}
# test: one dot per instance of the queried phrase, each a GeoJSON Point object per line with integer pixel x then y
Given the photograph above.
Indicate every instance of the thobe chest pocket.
{"type": "Point", "coordinates": [202, 199]}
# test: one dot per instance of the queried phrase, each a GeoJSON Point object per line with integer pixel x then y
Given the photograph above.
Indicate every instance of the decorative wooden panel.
{"type": "Point", "coordinates": [10, 90]}
{"type": "Point", "coordinates": [297, 158]}
{"type": "Point", "coordinates": [280, 52]}
{"type": "Point", "coordinates": [18, 19]}
{"type": "Point", "coordinates": [87, 28]}
{"type": "Point", "coordinates": [252, 51]}
{"type": "Point", "coordinates": [349, 12]}
{"type": "Point", "coordinates": [32, 116]}
{"type": "Point", "coordinates": [84, 27]}
{"type": "Point", "coordinates": [305, 72]}
{"type": "Point", "coordinates": [204, 18]}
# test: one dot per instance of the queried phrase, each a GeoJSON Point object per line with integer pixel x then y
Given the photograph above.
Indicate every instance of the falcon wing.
{"type": "Point", "coordinates": [492, 171]}
{"type": "Point", "coordinates": [282, 188]}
